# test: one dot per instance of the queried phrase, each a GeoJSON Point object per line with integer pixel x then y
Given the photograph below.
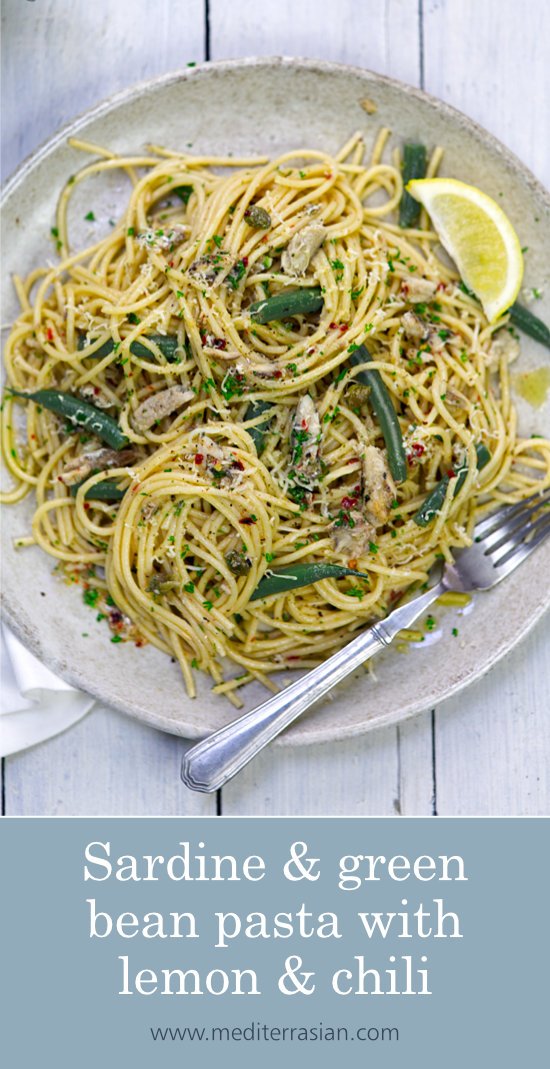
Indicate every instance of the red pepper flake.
{"type": "Point", "coordinates": [343, 327]}
{"type": "Point", "coordinates": [199, 458]}
{"type": "Point", "coordinates": [349, 502]}
{"type": "Point", "coordinates": [418, 449]}
{"type": "Point", "coordinates": [451, 474]}
{"type": "Point", "coordinates": [353, 562]}
{"type": "Point", "coordinates": [49, 334]}
{"type": "Point", "coordinates": [356, 490]}
{"type": "Point", "coordinates": [247, 521]}
{"type": "Point", "coordinates": [239, 464]}
{"type": "Point", "coordinates": [293, 657]}
{"type": "Point", "coordinates": [333, 326]}
{"type": "Point", "coordinates": [86, 505]}
{"type": "Point", "coordinates": [277, 374]}
{"type": "Point", "coordinates": [441, 286]}
{"type": "Point", "coordinates": [244, 261]}
{"type": "Point", "coordinates": [327, 174]}
{"type": "Point", "coordinates": [310, 351]}
{"type": "Point", "coordinates": [219, 343]}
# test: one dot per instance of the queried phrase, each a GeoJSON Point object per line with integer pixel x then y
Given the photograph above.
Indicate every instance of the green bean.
{"type": "Point", "coordinates": [382, 406]}
{"type": "Point", "coordinates": [431, 506]}
{"type": "Point", "coordinates": [107, 490]}
{"type": "Point", "coordinates": [293, 303]}
{"type": "Point", "coordinates": [414, 166]}
{"type": "Point", "coordinates": [524, 319]}
{"type": "Point", "coordinates": [167, 343]}
{"type": "Point", "coordinates": [258, 433]}
{"type": "Point", "coordinates": [81, 414]}
{"type": "Point", "coordinates": [281, 580]}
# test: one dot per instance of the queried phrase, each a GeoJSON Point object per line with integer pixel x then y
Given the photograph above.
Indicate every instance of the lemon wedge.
{"type": "Point", "coordinates": [478, 236]}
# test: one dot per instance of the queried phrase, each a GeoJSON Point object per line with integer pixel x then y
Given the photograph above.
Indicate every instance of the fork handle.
{"type": "Point", "coordinates": [215, 760]}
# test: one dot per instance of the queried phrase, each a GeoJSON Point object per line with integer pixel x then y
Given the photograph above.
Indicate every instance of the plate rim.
{"type": "Point", "coordinates": [335, 730]}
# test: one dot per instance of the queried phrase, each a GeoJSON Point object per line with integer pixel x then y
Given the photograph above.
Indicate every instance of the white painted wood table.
{"type": "Point", "coordinates": [484, 752]}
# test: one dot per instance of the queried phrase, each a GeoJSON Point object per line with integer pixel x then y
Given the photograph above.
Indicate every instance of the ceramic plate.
{"type": "Point", "coordinates": [248, 107]}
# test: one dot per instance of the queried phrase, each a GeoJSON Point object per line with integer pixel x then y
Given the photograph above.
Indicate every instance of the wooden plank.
{"type": "Point", "coordinates": [351, 777]}
{"type": "Point", "coordinates": [493, 742]}
{"type": "Point", "coordinates": [415, 770]}
{"type": "Point", "coordinates": [59, 59]}
{"type": "Point", "coordinates": [381, 35]}
{"type": "Point", "coordinates": [370, 774]}
{"type": "Point", "coordinates": [488, 59]}
{"type": "Point", "coordinates": [106, 765]}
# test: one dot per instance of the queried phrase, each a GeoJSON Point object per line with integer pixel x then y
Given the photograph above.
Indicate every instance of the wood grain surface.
{"type": "Point", "coordinates": [484, 752]}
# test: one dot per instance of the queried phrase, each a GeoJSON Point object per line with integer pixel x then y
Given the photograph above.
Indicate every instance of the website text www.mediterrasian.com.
{"type": "Point", "coordinates": [260, 1032]}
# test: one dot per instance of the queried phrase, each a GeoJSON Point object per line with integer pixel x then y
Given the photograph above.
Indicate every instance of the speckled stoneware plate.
{"type": "Point", "coordinates": [246, 107]}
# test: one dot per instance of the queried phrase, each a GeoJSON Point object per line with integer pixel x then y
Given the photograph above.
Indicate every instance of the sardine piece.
{"type": "Point", "coordinates": [423, 333]}
{"type": "Point", "coordinates": [98, 460]}
{"type": "Point", "coordinates": [159, 405]}
{"type": "Point", "coordinates": [379, 487]}
{"type": "Point", "coordinates": [413, 326]}
{"type": "Point", "coordinates": [204, 270]}
{"type": "Point", "coordinates": [306, 441]}
{"type": "Point", "coordinates": [301, 249]}
{"type": "Point", "coordinates": [224, 468]}
{"type": "Point", "coordinates": [352, 541]}
{"type": "Point", "coordinates": [420, 289]}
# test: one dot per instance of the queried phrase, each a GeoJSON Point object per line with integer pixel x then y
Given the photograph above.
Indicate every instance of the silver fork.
{"type": "Point", "coordinates": [502, 541]}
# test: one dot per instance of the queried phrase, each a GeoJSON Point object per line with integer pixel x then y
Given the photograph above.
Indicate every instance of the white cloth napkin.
{"type": "Point", "coordinates": [36, 704]}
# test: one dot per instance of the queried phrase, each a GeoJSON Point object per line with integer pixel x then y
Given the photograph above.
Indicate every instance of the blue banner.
{"type": "Point", "coordinates": [376, 941]}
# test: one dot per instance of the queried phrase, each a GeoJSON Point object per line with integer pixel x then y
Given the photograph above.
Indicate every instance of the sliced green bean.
{"type": "Point", "coordinates": [81, 414]}
{"type": "Point", "coordinates": [524, 319]}
{"type": "Point", "coordinates": [382, 406]}
{"type": "Point", "coordinates": [106, 490]}
{"type": "Point", "coordinates": [258, 433]}
{"type": "Point", "coordinates": [281, 580]}
{"type": "Point", "coordinates": [167, 343]}
{"type": "Point", "coordinates": [432, 505]}
{"type": "Point", "coordinates": [296, 302]}
{"type": "Point", "coordinates": [414, 166]}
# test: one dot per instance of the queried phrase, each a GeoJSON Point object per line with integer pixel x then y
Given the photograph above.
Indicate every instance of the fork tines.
{"type": "Point", "coordinates": [510, 534]}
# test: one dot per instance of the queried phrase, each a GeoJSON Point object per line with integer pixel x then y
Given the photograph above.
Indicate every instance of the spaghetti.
{"type": "Point", "coordinates": [228, 326]}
